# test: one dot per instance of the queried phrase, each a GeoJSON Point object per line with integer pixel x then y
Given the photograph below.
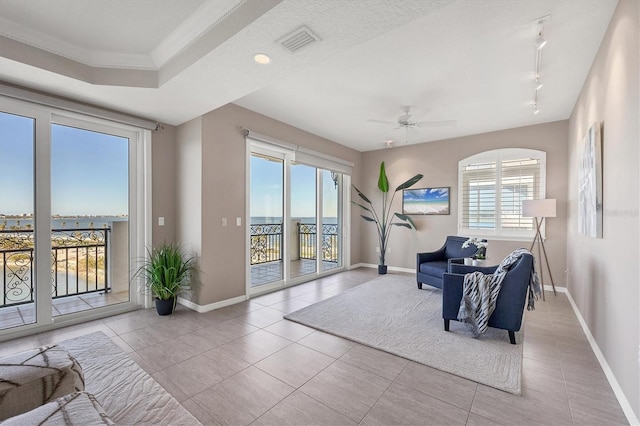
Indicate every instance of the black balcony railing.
{"type": "Point", "coordinates": [79, 259]}
{"type": "Point", "coordinates": [266, 242]}
{"type": "Point", "coordinates": [307, 241]}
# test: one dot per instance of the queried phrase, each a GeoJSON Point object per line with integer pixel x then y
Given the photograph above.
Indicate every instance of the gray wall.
{"type": "Point", "coordinates": [212, 185]}
{"type": "Point", "coordinates": [163, 150]}
{"type": "Point", "coordinates": [604, 273]}
{"type": "Point", "coordinates": [438, 162]}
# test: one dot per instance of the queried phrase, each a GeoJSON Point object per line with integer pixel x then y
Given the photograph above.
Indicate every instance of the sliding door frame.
{"type": "Point", "coordinates": [139, 210]}
{"type": "Point", "coordinates": [288, 154]}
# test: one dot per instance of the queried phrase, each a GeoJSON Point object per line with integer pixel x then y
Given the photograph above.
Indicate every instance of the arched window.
{"type": "Point", "coordinates": [491, 188]}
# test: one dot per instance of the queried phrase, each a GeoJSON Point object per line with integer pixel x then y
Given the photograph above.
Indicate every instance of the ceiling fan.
{"type": "Point", "coordinates": [405, 122]}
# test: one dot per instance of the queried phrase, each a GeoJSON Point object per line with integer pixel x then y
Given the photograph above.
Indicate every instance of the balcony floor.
{"type": "Point", "coordinates": [268, 272]}
{"type": "Point", "coordinates": [14, 316]}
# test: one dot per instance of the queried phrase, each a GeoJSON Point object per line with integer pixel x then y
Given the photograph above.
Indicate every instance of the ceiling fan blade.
{"type": "Point", "coordinates": [443, 123]}
{"type": "Point", "coordinates": [371, 120]}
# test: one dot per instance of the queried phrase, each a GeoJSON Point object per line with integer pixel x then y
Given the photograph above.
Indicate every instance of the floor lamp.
{"type": "Point", "coordinates": [539, 210]}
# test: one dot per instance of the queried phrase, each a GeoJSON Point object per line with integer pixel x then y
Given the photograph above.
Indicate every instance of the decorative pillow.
{"type": "Point", "coordinates": [79, 408]}
{"type": "Point", "coordinates": [35, 377]}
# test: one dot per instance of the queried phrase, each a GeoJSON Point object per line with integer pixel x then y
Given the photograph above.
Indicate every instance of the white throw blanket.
{"type": "Point", "coordinates": [480, 292]}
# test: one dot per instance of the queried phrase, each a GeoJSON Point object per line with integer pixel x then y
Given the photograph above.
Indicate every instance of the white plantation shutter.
{"type": "Point", "coordinates": [520, 181]}
{"type": "Point", "coordinates": [492, 186]}
{"type": "Point", "coordinates": [479, 195]}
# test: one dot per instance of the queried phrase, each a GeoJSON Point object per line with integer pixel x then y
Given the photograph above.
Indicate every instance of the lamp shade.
{"type": "Point", "coordinates": [539, 208]}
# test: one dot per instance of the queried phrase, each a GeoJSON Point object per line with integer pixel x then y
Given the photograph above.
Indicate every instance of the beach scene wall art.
{"type": "Point", "coordinates": [426, 201]}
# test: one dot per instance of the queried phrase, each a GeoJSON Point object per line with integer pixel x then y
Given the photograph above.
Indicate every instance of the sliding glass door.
{"type": "Point", "coordinates": [90, 218]}
{"type": "Point", "coordinates": [303, 225]}
{"type": "Point", "coordinates": [331, 220]}
{"type": "Point", "coordinates": [73, 215]}
{"type": "Point", "coordinates": [17, 195]}
{"type": "Point", "coordinates": [296, 219]}
{"type": "Point", "coordinates": [267, 218]}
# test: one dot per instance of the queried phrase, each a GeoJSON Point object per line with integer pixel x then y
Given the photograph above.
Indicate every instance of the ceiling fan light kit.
{"type": "Point", "coordinates": [404, 122]}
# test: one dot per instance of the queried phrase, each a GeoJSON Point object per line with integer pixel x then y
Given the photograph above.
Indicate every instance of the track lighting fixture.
{"type": "Point", "coordinates": [540, 42]}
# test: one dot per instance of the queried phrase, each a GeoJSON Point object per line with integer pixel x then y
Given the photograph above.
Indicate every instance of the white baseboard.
{"type": "Point", "coordinates": [389, 268]}
{"type": "Point", "coordinates": [558, 289]}
{"type": "Point", "coordinates": [617, 390]}
{"type": "Point", "coordinates": [211, 306]}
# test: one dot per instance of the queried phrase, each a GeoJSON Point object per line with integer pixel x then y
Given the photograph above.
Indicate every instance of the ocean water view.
{"type": "Point", "coordinates": [60, 222]}
{"type": "Point", "coordinates": [81, 222]}
{"type": "Point", "coordinates": [263, 220]}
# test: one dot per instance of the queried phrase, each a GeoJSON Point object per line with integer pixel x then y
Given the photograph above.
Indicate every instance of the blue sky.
{"type": "Point", "coordinates": [427, 194]}
{"type": "Point", "coordinates": [266, 190]}
{"type": "Point", "coordinates": [89, 170]}
{"type": "Point", "coordinates": [89, 175]}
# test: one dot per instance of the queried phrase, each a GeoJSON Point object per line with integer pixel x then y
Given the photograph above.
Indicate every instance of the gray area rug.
{"type": "Point", "coordinates": [126, 392]}
{"type": "Point", "coordinates": [390, 313]}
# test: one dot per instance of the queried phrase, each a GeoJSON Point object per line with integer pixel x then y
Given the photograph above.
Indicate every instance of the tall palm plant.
{"type": "Point", "coordinates": [384, 219]}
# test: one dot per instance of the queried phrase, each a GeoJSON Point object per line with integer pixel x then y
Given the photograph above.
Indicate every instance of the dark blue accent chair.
{"type": "Point", "coordinates": [511, 299]}
{"type": "Point", "coordinates": [430, 267]}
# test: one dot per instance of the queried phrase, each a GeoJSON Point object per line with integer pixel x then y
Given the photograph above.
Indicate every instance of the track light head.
{"type": "Point", "coordinates": [540, 40]}
{"type": "Point", "coordinates": [537, 84]}
{"type": "Point", "coordinates": [536, 110]}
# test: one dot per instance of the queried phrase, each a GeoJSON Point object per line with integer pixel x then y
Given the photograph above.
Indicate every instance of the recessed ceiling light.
{"type": "Point", "coordinates": [261, 58]}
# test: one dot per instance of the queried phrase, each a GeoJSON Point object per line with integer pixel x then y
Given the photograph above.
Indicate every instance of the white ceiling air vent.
{"type": "Point", "coordinates": [298, 39]}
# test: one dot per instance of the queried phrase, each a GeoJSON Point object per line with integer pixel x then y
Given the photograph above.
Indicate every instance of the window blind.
{"type": "Point", "coordinates": [479, 195]}
{"type": "Point", "coordinates": [520, 180]}
{"type": "Point", "coordinates": [492, 187]}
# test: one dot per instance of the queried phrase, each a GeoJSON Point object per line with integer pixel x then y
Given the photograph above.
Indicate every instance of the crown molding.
{"type": "Point", "coordinates": [98, 59]}
{"type": "Point", "coordinates": [203, 20]}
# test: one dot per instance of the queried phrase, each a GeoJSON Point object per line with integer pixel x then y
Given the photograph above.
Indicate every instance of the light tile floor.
{"type": "Point", "coordinates": [243, 364]}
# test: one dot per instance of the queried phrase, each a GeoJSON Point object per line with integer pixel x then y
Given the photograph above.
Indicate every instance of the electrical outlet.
{"type": "Point", "coordinates": [377, 249]}
{"type": "Point", "coordinates": [224, 222]}
{"type": "Point", "coordinates": [238, 221]}
{"type": "Point", "coordinates": [161, 221]}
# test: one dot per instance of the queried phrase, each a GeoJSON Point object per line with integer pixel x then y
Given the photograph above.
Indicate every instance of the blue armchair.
{"type": "Point", "coordinates": [431, 266]}
{"type": "Point", "coordinates": [511, 299]}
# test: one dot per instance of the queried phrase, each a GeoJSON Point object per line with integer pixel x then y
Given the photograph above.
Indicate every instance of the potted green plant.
{"type": "Point", "coordinates": [384, 220]}
{"type": "Point", "coordinates": [167, 272]}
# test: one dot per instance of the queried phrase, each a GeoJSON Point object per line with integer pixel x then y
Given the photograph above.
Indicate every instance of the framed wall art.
{"type": "Point", "coordinates": [590, 184]}
{"type": "Point", "coordinates": [426, 201]}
